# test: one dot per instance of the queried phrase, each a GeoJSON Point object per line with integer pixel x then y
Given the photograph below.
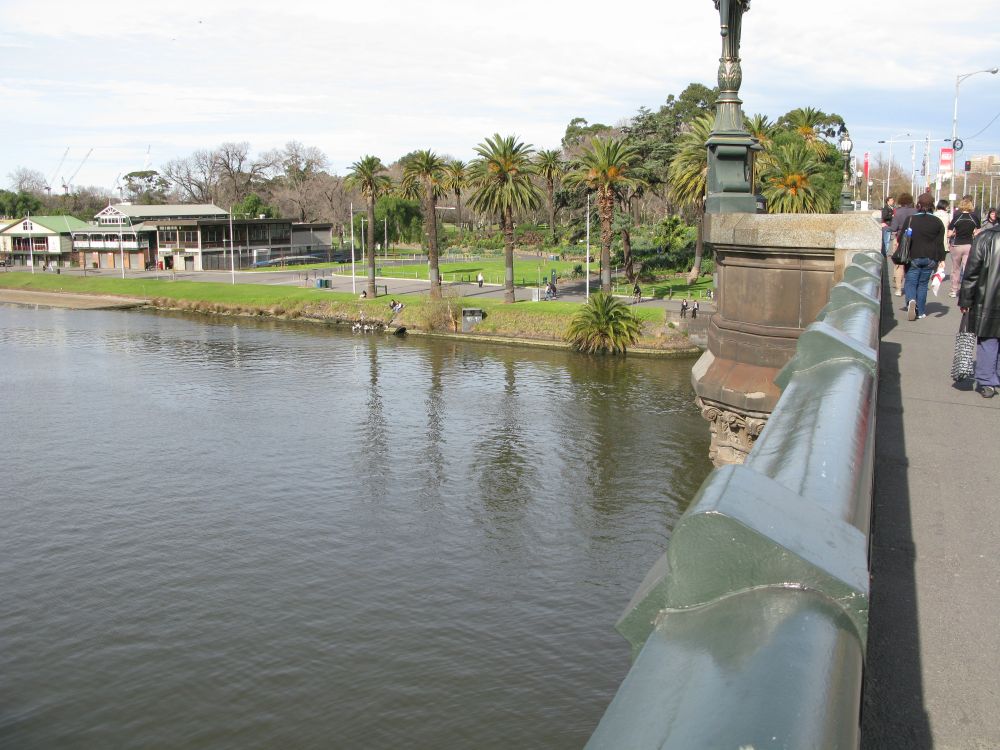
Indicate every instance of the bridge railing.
{"type": "Point", "coordinates": [750, 631]}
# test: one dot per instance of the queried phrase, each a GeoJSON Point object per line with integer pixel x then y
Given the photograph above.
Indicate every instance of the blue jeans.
{"type": "Point", "coordinates": [918, 274]}
{"type": "Point", "coordinates": [988, 362]}
{"type": "Point", "coordinates": [886, 241]}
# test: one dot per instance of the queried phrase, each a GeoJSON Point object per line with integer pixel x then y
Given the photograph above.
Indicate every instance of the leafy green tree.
{"type": "Point", "coordinates": [604, 324]}
{"type": "Point", "coordinates": [146, 187]}
{"type": "Point", "coordinates": [403, 217]}
{"type": "Point", "coordinates": [427, 170]}
{"type": "Point", "coordinates": [368, 177]}
{"type": "Point", "coordinates": [605, 167]}
{"type": "Point", "coordinates": [18, 205]}
{"type": "Point", "coordinates": [580, 130]}
{"type": "Point", "coordinates": [253, 207]}
{"type": "Point", "coordinates": [689, 179]}
{"type": "Point", "coordinates": [550, 167]}
{"type": "Point", "coordinates": [790, 180]}
{"type": "Point", "coordinates": [501, 179]}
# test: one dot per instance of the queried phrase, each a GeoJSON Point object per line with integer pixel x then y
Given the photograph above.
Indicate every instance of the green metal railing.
{"type": "Point", "coordinates": [750, 631]}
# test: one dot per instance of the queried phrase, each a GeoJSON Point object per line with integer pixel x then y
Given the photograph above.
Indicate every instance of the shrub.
{"type": "Point", "coordinates": [604, 324]}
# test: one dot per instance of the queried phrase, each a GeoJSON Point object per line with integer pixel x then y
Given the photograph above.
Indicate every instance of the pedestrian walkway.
{"type": "Point", "coordinates": [933, 668]}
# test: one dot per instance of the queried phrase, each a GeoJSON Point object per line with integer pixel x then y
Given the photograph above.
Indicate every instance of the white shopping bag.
{"type": "Point", "coordinates": [939, 276]}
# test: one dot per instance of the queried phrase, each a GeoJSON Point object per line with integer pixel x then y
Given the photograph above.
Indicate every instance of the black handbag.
{"type": "Point", "coordinates": [902, 255]}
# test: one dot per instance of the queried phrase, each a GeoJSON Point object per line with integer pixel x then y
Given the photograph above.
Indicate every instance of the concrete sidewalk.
{"type": "Point", "coordinates": [933, 670]}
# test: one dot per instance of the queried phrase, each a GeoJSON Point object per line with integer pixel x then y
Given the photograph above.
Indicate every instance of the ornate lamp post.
{"type": "Point", "coordinates": [846, 145]}
{"type": "Point", "coordinates": [730, 146]}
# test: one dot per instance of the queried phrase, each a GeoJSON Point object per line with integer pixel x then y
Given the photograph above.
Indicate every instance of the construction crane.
{"type": "Point", "coordinates": [48, 185]}
{"type": "Point", "coordinates": [67, 184]}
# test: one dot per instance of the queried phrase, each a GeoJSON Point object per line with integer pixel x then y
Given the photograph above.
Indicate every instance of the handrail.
{"type": "Point", "coordinates": [750, 631]}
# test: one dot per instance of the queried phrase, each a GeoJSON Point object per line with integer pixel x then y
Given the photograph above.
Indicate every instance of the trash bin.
{"type": "Point", "coordinates": [536, 295]}
{"type": "Point", "coordinates": [470, 317]}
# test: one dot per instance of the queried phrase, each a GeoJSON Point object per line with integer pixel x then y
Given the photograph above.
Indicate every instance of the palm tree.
{"type": "Point", "coordinates": [427, 170]}
{"type": "Point", "coordinates": [763, 130]}
{"type": "Point", "coordinates": [808, 123]}
{"type": "Point", "coordinates": [550, 167]}
{"type": "Point", "coordinates": [367, 177]}
{"type": "Point", "coordinates": [688, 176]}
{"type": "Point", "coordinates": [604, 324]}
{"type": "Point", "coordinates": [789, 180]}
{"type": "Point", "coordinates": [501, 182]}
{"type": "Point", "coordinates": [456, 180]}
{"type": "Point", "coordinates": [606, 167]}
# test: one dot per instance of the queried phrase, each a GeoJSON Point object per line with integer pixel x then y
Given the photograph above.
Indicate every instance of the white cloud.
{"type": "Point", "coordinates": [391, 76]}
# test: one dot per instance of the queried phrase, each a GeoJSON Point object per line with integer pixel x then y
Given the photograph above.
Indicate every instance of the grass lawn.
{"type": "Point", "coordinates": [545, 321]}
{"type": "Point", "coordinates": [526, 272]}
{"type": "Point", "coordinates": [661, 289]}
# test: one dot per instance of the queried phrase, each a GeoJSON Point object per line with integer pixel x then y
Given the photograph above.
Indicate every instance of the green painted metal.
{"type": "Point", "coordinates": [766, 668]}
{"type": "Point", "coordinates": [750, 631]}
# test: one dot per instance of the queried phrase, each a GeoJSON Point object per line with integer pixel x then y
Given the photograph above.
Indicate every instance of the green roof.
{"type": "Point", "coordinates": [55, 224]}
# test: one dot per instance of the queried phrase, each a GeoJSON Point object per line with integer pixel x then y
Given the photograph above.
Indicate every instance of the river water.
{"type": "Point", "coordinates": [222, 534]}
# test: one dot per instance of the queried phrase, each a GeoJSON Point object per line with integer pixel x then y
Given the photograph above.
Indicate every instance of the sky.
{"type": "Point", "coordinates": [141, 83]}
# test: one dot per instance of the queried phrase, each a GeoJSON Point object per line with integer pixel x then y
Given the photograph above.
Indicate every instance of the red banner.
{"type": "Point", "coordinates": [946, 162]}
{"type": "Point", "coordinates": [866, 167]}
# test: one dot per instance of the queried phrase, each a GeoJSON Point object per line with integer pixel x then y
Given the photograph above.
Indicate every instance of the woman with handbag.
{"type": "Point", "coordinates": [926, 251]}
{"type": "Point", "coordinates": [961, 230]}
{"type": "Point", "coordinates": [904, 210]}
{"type": "Point", "coordinates": [980, 298]}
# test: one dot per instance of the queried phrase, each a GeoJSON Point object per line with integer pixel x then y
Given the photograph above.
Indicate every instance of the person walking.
{"type": "Point", "coordinates": [694, 309]}
{"type": "Point", "coordinates": [962, 229]}
{"type": "Point", "coordinates": [903, 212]}
{"type": "Point", "coordinates": [990, 220]}
{"type": "Point", "coordinates": [636, 293]}
{"type": "Point", "coordinates": [979, 296]}
{"type": "Point", "coordinates": [887, 211]}
{"type": "Point", "coordinates": [926, 251]}
{"type": "Point", "coordinates": [684, 308]}
{"type": "Point", "coordinates": [480, 279]}
{"type": "Point", "coordinates": [942, 212]}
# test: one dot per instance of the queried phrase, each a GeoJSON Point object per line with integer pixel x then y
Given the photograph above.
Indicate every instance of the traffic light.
{"type": "Point", "coordinates": [968, 166]}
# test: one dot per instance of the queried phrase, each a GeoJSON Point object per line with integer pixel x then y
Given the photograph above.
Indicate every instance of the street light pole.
{"type": "Point", "coordinates": [31, 243]}
{"type": "Point", "coordinates": [958, 82]}
{"type": "Point", "coordinates": [354, 289]}
{"type": "Point", "coordinates": [846, 198]}
{"type": "Point", "coordinates": [232, 246]}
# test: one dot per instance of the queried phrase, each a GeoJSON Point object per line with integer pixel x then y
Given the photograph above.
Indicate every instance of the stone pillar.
{"type": "Point", "coordinates": [775, 273]}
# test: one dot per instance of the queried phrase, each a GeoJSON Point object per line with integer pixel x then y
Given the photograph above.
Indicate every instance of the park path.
{"type": "Point", "coordinates": [933, 671]}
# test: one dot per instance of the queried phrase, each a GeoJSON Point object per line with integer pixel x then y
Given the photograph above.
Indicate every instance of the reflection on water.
{"type": "Point", "coordinates": [256, 534]}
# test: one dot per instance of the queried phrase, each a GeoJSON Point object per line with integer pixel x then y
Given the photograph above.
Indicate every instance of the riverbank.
{"type": "Point", "coordinates": [521, 323]}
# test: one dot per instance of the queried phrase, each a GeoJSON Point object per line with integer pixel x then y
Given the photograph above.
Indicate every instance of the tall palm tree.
{"type": "Point", "coordinates": [688, 175]}
{"type": "Point", "coordinates": [501, 182]}
{"type": "Point", "coordinates": [368, 177]}
{"type": "Point", "coordinates": [550, 167]}
{"type": "Point", "coordinates": [789, 180]}
{"type": "Point", "coordinates": [763, 130]}
{"type": "Point", "coordinates": [427, 169]}
{"type": "Point", "coordinates": [456, 180]}
{"type": "Point", "coordinates": [605, 166]}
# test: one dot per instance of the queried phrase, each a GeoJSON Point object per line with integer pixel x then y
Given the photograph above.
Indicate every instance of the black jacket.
{"type": "Point", "coordinates": [928, 237]}
{"type": "Point", "coordinates": [980, 291]}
